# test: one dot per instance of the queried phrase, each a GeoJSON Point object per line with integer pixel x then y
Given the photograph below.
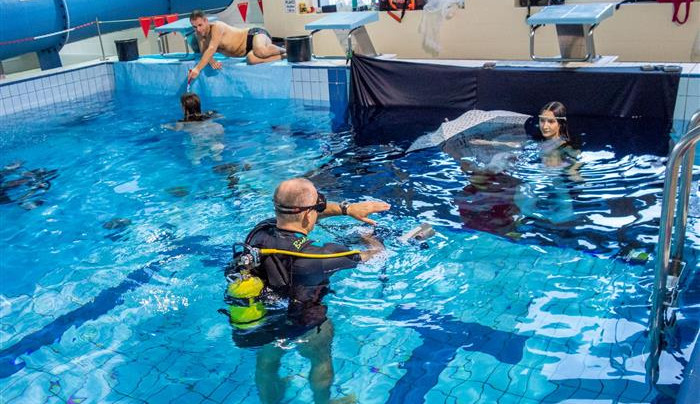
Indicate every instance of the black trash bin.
{"type": "Point", "coordinates": [298, 48]}
{"type": "Point", "coordinates": [127, 49]}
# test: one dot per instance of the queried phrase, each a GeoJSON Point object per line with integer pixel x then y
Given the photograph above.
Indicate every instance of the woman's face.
{"type": "Point", "coordinates": [549, 125]}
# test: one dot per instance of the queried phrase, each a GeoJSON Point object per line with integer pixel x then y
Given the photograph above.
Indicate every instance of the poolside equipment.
{"type": "Point", "coordinates": [127, 49]}
{"type": "Point", "coordinates": [349, 28]}
{"type": "Point", "coordinates": [45, 27]}
{"type": "Point", "coordinates": [498, 120]}
{"type": "Point", "coordinates": [575, 24]}
{"type": "Point", "coordinates": [181, 26]}
{"type": "Point", "coordinates": [298, 48]}
{"type": "Point", "coordinates": [540, 3]}
{"type": "Point", "coordinates": [420, 233]}
{"type": "Point", "coordinates": [669, 265]}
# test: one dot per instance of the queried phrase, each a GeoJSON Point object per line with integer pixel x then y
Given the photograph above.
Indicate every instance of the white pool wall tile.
{"type": "Point", "coordinates": [56, 87]}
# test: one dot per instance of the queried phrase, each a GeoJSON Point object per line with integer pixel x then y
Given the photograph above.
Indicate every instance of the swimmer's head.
{"type": "Point", "coordinates": [191, 106]}
{"type": "Point", "coordinates": [552, 120]}
{"type": "Point", "coordinates": [199, 22]}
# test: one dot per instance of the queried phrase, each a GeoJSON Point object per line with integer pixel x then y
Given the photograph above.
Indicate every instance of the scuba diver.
{"type": "Point", "coordinates": [279, 262]}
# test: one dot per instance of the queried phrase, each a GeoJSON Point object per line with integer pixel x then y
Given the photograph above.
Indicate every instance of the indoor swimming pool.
{"type": "Point", "coordinates": [116, 231]}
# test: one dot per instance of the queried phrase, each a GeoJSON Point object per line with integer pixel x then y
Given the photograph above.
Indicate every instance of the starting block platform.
{"type": "Point", "coordinates": [575, 24]}
{"type": "Point", "coordinates": [349, 28]}
{"type": "Point", "coordinates": [182, 27]}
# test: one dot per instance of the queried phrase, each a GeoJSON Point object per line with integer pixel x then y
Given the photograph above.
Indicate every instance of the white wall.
{"type": "Point", "coordinates": [496, 29]}
{"type": "Point", "coordinates": [89, 49]}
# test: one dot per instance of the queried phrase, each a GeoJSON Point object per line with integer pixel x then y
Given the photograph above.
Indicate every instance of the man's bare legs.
{"type": "Point", "coordinates": [264, 50]}
{"type": "Point", "coordinates": [316, 347]}
{"type": "Point", "coordinates": [271, 386]}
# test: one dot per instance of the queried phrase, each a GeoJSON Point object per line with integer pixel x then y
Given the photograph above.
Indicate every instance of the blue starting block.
{"type": "Point", "coordinates": [575, 24]}
{"type": "Point", "coordinates": [182, 27]}
{"type": "Point", "coordinates": [349, 28]}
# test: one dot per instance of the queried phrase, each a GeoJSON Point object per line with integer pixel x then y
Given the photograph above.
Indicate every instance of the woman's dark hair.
{"type": "Point", "coordinates": [559, 111]}
{"type": "Point", "coordinates": [192, 107]}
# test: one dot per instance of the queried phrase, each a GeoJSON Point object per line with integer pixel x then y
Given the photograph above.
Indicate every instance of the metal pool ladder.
{"type": "Point", "coordinates": [669, 250]}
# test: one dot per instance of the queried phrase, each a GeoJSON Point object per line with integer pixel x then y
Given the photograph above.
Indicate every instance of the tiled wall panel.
{"type": "Point", "coordinates": [311, 85]}
{"type": "Point", "coordinates": [687, 102]}
{"type": "Point", "coordinates": [56, 89]}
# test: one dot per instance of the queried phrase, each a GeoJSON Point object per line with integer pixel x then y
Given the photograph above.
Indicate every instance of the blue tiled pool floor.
{"type": "Point", "coordinates": [106, 314]}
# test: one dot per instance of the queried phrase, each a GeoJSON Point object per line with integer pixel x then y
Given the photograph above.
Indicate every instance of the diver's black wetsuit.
{"type": "Point", "coordinates": [303, 280]}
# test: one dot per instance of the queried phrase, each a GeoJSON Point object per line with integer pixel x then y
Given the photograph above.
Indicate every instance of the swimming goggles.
{"type": "Point", "coordinates": [319, 207]}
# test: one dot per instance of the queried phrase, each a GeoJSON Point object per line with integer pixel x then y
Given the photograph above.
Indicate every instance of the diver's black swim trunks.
{"type": "Point", "coordinates": [251, 33]}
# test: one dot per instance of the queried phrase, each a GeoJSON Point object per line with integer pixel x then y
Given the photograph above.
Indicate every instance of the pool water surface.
{"type": "Point", "coordinates": [115, 232]}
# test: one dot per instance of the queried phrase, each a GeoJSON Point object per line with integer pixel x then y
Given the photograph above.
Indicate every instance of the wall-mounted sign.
{"type": "Point", "coordinates": [290, 6]}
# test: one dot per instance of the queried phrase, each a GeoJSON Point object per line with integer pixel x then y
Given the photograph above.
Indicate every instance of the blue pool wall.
{"type": "Point", "coordinates": [311, 85]}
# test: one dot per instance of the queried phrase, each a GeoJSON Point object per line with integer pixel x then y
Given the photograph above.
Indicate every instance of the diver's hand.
{"type": "Point", "coordinates": [215, 64]}
{"type": "Point", "coordinates": [192, 74]}
{"type": "Point", "coordinates": [361, 210]}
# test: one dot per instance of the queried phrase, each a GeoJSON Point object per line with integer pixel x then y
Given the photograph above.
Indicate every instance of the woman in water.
{"type": "Point", "coordinates": [192, 108]}
{"type": "Point", "coordinates": [206, 135]}
{"type": "Point", "coordinates": [548, 196]}
{"type": "Point", "coordinates": [557, 149]}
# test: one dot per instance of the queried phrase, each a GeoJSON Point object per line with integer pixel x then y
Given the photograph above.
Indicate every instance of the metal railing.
{"type": "Point", "coordinates": [669, 250]}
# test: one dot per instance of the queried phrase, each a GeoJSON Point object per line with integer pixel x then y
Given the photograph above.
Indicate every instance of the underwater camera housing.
{"type": "Point", "coordinates": [420, 233]}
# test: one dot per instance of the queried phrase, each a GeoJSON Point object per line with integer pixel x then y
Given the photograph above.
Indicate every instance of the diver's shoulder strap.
{"type": "Point", "coordinates": [265, 225]}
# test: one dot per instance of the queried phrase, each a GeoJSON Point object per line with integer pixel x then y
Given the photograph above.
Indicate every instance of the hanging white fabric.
{"type": "Point", "coordinates": [435, 12]}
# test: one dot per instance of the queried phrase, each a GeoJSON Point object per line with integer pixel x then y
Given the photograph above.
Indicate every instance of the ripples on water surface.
{"type": "Point", "coordinates": [115, 231]}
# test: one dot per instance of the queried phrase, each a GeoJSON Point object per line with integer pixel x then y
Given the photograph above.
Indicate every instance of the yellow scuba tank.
{"type": "Point", "coordinates": [246, 287]}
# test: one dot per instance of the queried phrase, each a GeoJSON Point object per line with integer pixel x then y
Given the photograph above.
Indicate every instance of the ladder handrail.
{"type": "Point", "coordinates": [683, 152]}
{"type": "Point", "coordinates": [684, 193]}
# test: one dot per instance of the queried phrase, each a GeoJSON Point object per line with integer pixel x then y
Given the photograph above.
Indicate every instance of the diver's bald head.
{"type": "Point", "coordinates": [295, 192]}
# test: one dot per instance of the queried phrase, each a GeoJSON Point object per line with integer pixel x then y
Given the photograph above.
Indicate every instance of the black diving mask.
{"type": "Point", "coordinates": [319, 207]}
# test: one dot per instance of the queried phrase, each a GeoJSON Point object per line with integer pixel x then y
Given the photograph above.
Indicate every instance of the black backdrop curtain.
{"type": "Point", "coordinates": [387, 93]}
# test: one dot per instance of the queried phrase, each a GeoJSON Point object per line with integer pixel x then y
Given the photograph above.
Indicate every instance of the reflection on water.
{"type": "Point", "coordinates": [597, 198]}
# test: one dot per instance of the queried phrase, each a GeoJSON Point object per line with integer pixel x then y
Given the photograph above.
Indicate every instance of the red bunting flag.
{"type": "Point", "coordinates": [145, 24]}
{"type": "Point", "coordinates": [243, 9]}
{"type": "Point", "coordinates": [159, 20]}
{"type": "Point", "coordinates": [260, 4]}
{"type": "Point", "coordinates": [171, 18]}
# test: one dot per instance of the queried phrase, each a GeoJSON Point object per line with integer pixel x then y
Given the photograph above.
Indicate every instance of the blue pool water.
{"type": "Point", "coordinates": [115, 232]}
